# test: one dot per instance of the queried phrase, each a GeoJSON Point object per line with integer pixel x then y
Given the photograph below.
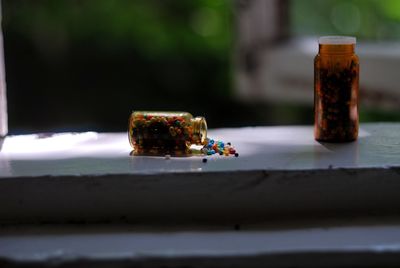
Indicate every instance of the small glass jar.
{"type": "Point", "coordinates": [165, 133]}
{"type": "Point", "coordinates": [336, 83]}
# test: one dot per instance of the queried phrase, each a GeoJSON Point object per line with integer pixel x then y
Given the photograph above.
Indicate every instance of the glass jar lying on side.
{"type": "Point", "coordinates": [336, 74]}
{"type": "Point", "coordinates": [162, 133]}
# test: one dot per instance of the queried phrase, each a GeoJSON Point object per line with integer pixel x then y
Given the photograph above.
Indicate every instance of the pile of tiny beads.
{"type": "Point", "coordinates": [218, 147]}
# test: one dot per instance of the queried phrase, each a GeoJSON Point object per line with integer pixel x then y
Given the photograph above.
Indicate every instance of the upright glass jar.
{"type": "Point", "coordinates": [162, 133]}
{"type": "Point", "coordinates": [336, 82]}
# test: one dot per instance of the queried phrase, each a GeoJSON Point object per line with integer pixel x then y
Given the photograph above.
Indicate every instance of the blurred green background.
{"type": "Point", "coordinates": [369, 20]}
{"type": "Point", "coordinates": [85, 64]}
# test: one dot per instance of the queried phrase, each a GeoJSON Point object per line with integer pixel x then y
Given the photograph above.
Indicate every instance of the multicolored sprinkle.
{"type": "Point", "coordinates": [212, 147]}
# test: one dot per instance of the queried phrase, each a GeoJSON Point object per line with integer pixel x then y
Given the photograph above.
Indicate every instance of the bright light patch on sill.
{"type": "Point", "coordinates": [37, 143]}
{"type": "Point", "coordinates": [66, 145]}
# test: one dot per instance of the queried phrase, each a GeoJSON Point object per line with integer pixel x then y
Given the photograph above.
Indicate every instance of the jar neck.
{"type": "Point", "coordinates": [336, 49]}
{"type": "Point", "coordinates": [199, 130]}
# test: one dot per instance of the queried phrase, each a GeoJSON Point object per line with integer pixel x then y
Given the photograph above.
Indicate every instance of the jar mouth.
{"type": "Point", "coordinates": [200, 129]}
{"type": "Point", "coordinates": [337, 40]}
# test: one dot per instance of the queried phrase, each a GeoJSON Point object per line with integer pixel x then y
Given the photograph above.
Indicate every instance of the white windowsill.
{"type": "Point", "coordinates": [280, 171]}
{"type": "Point", "coordinates": [260, 148]}
{"type": "Point", "coordinates": [353, 245]}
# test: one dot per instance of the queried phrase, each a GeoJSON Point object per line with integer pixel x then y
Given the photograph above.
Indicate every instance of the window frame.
{"type": "Point", "coordinates": [3, 95]}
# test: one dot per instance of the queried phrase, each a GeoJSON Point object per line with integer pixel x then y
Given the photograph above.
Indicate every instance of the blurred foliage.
{"type": "Point", "coordinates": [90, 62]}
{"type": "Point", "coordinates": [155, 27]}
{"type": "Point", "coordinates": [366, 19]}
{"type": "Point", "coordinates": [85, 64]}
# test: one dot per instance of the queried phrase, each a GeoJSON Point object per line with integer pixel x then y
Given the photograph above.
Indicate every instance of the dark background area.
{"type": "Point", "coordinates": [80, 65]}
{"type": "Point", "coordinates": [86, 64]}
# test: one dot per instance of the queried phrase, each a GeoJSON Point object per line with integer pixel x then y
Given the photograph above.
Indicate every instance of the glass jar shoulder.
{"type": "Point", "coordinates": [335, 61]}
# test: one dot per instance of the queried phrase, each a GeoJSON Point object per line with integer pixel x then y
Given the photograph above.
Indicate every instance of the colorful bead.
{"type": "Point", "coordinates": [212, 147]}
